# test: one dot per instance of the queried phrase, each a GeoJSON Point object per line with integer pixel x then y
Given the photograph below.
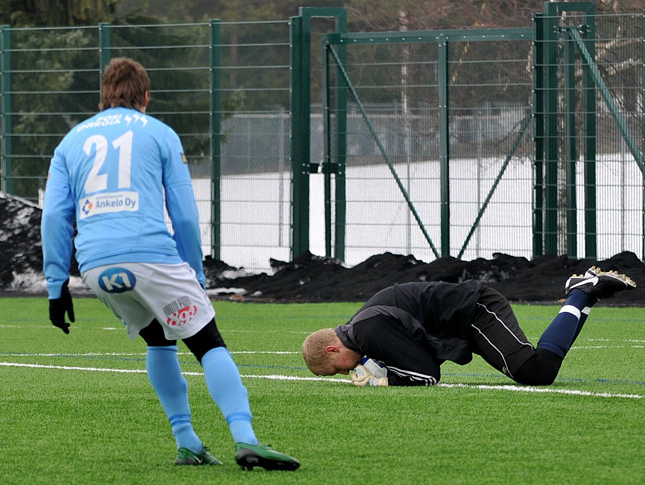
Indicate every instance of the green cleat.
{"type": "Point", "coordinates": [249, 456]}
{"type": "Point", "coordinates": [187, 457]}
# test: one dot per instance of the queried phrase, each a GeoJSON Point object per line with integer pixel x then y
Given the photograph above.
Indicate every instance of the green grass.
{"type": "Point", "coordinates": [63, 425]}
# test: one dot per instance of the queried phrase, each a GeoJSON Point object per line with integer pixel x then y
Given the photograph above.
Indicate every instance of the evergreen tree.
{"type": "Point", "coordinates": [48, 13]}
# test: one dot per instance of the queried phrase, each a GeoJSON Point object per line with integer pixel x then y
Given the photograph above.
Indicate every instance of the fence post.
{"type": "Point", "coordinates": [550, 38]}
{"type": "Point", "coordinates": [571, 153]}
{"type": "Point", "coordinates": [5, 107]}
{"type": "Point", "coordinates": [300, 134]}
{"type": "Point", "coordinates": [341, 147]}
{"type": "Point", "coordinates": [339, 167]}
{"type": "Point", "coordinates": [589, 106]}
{"type": "Point", "coordinates": [215, 138]}
{"type": "Point", "coordinates": [444, 156]}
{"type": "Point", "coordinates": [538, 135]}
{"type": "Point", "coordinates": [105, 47]}
{"type": "Point", "coordinates": [301, 117]}
{"type": "Point", "coordinates": [550, 35]}
{"type": "Point", "coordinates": [327, 156]}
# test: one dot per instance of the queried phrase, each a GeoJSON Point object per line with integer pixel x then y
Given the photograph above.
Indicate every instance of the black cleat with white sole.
{"type": "Point", "coordinates": [599, 284]}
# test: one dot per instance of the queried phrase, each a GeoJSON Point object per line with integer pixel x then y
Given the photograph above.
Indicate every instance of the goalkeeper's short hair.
{"type": "Point", "coordinates": [313, 348]}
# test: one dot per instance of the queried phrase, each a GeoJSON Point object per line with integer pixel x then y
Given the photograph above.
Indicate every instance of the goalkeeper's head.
{"type": "Point", "coordinates": [326, 355]}
{"type": "Point", "coordinates": [126, 84]}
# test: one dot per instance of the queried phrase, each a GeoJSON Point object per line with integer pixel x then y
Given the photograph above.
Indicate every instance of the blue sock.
{"type": "Point", "coordinates": [225, 387]}
{"type": "Point", "coordinates": [565, 327]}
{"type": "Point", "coordinates": [165, 376]}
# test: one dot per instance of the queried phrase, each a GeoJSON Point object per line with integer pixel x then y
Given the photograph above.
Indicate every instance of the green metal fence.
{"type": "Point", "coordinates": [223, 86]}
{"type": "Point", "coordinates": [590, 146]}
{"type": "Point", "coordinates": [432, 121]}
{"type": "Point", "coordinates": [302, 135]}
{"type": "Point", "coordinates": [468, 143]}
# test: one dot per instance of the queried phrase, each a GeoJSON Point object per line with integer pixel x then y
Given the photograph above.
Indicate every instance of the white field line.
{"type": "Point", "coordinates": [122, 328]}
{"type": "Point", "coordinates": [636, 345]}
{"type": "Point", "coordinates": [611, 340]}
{"type": "Point", "coordinates": [544, 390]}
{"type": "Point", "coordinates": [597, 347]}
{"type": "Point", "coordinates": [138, 354]}
{"type": "Point", "coordinates": [539, 390]}
{"type": "Point", "coordinates": [297, 332]}
{"type": "Point", "coordinates": [142, 371]}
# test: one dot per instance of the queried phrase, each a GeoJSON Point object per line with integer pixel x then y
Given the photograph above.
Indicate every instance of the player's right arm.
{"type": "Point", "coordinates": [57, 226]}
{"type": "Point", "coordinates": [408, 363]}
{"type": "Point", "coordinates": [181, 205]}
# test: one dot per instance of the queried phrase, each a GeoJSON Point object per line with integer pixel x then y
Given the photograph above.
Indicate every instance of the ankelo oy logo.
{"type": "Point", "coordinates": [109, 203]}
{"type": "Point", "coordinates": [87, 207]}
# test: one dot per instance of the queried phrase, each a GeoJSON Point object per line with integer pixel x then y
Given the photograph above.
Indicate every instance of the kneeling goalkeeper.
{"type": "Point", "coordinates": [412, 328]}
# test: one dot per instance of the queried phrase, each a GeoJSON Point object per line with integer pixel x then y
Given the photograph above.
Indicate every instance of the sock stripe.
{"type": "Point", "coordinates": [572, 310]}
{"type": "Point", "coordinates": [232, 418]}
{"type": "Point", "coordinates": [180, 419]}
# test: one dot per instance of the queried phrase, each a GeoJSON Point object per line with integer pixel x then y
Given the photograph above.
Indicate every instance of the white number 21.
{"type": "Point", "coordinates": [123, 144]}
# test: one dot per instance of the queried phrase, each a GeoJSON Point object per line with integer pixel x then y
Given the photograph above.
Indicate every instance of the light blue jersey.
{"type": "Point", "coordinates": [109, 175]}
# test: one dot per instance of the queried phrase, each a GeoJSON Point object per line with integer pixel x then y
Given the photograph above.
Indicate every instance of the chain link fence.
{"type": "Point", "coordinates": [441, 113]}
{"type": "Point", "coordinates": [224, 87]}
{"type": "Point", "coordinates": [423, 143]}
{"type": "Point", "coordinates": [490, 140]}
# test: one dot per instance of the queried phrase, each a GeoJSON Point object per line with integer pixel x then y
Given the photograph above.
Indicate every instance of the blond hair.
{"type": "Point", "coordinates": [124, 83]}
{"type": "Point", "coordinates": [313, 348]}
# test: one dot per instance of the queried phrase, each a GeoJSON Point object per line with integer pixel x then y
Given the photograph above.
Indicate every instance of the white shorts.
{"type": "Point", "coordinates": [138, 293]}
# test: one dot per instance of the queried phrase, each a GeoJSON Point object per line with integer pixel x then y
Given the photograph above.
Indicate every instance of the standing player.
{"type": "Point", "coordinates": [109, 176]}
{"type": "Point", "coordinates": [412, 328]}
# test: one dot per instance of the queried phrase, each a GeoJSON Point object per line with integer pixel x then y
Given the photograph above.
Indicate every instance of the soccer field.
{"type": "Point", "coordinates": [79, 408]}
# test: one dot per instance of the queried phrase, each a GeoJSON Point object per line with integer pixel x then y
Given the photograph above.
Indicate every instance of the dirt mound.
{"type": "Point", "coordinates": [19, 239]}
{"type": "Point", "coordinates": [310, 278]}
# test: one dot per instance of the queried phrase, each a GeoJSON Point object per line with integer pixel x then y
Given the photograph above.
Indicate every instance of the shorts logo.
{"type": "Point", "coordinates": [179, 312]}
{"type": "Point", "coordinates": [117, 280]}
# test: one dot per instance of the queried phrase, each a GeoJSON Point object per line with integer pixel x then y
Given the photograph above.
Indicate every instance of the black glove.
{"type": "Point", "coordinates": [59, 306]}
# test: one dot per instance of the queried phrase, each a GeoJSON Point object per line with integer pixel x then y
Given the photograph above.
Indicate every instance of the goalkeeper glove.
{"type": "Point", "coordinates": [362, 377]}
{"type": "Point", "coordinates": [59, 306]}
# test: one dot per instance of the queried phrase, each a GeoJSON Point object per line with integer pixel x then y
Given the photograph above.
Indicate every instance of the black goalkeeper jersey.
{"type": "Point", "coordinates": [413, 328]}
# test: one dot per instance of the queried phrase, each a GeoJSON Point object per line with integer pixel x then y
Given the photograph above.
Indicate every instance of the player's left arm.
{"type": "Point", "coordinates": [57, 231]}
{"type": "Point", "coordinates": [182, 207]}
{"type": "Point", "coordinates": [57, 226]}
